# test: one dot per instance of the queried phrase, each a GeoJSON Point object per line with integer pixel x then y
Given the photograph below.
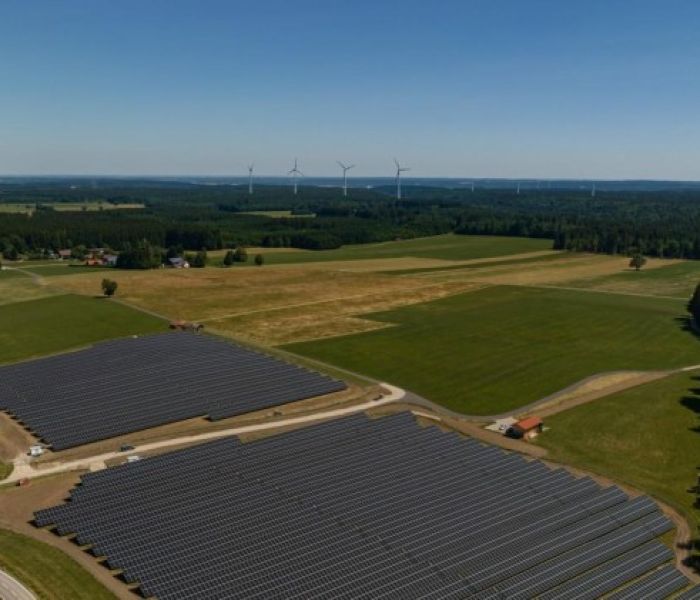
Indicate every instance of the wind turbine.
{"type": "Point", "coordinates": [518, 192]}
{"type": "Point", "coordinates": [593, 190]}
{"type": "Point", "coordinates": [250, 178]}
{"type": "Point", "coordinates": [472, 187]}
{"type": "Point", "coordinates": [295, 172]}
{"type": "Point", "coordinates": [399, 170]}
{"type": "Point", "coordinates": [345, 176]}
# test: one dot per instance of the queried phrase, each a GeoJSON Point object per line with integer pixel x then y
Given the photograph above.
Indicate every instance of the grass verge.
{"type": "Point", "coordinates": [48, 572]}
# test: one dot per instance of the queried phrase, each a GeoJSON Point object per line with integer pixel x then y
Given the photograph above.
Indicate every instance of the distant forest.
{"type": "Point", "coordinates": [191, 216]}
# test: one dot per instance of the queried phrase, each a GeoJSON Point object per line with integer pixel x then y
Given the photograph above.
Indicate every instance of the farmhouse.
{"type": "Point", "coordinates": [178, 263]}
{"type": "Point", "coordinates": [526, 428]}
{"type": "Point", "coordinates": [64, 254]}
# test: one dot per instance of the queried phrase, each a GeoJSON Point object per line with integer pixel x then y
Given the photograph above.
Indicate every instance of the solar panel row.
{"type": "Point", "coordinates": [361, 508]}
{"type": "Point", "coordinates": [126, 385]}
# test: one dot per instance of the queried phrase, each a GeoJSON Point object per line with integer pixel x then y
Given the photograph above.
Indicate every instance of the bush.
{"type": "Point", "coordinates": [200, 259]}
{"type": "Point", "coordinates": [259, 259]}
{"type": "Point", "coordinates": [109, 287]}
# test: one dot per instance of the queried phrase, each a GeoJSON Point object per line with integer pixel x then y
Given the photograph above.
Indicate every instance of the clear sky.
{"type": "Point", "coordinates": [482, 88]}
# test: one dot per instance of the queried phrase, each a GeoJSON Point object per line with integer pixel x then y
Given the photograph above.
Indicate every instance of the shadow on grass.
{"type": "Point", "coordinates": [686, 324]}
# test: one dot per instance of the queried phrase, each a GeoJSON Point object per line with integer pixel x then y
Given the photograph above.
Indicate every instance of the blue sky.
{"type": "Point", "coordinates": [483, 88]}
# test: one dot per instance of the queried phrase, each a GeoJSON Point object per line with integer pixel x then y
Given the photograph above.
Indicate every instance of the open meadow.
{"type": "Point", "coordinates": [444, 247]}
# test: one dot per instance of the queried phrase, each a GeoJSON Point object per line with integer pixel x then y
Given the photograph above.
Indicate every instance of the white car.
{"type": "Point", "coordinates": [36, 450]}
{"type": "Point", "coordinates": [133, 458]}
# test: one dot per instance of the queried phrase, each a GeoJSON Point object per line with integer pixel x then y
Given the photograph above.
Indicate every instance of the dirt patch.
{"type": "Point", "coordinates": [14, 439]}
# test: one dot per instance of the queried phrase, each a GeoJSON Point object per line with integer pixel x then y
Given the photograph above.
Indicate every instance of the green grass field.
{"type": "Point", "coordinates": [16, 207]}
{"type": "Point", "coordinates": [49, 573]}
{"type": "Point", "coordinates": [677, 280]}
{"type": "Point", "coordinates": [5, 470]}
{"type": "Point", "coordinates": [648, 437]}
{"type": "Point", "coordinates": [277, 214]}
{"type": "Point", "coordinates": [90, 206]}
{"type": "Point", "coordinates": [57, 323]}
{"type": "Point", "coordinates": [447, 247]}
{"type": "Point", "coordinates": [496, 349]}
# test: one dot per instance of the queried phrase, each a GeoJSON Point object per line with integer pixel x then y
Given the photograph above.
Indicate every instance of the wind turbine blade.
{"type": "Point", "coordinates": [396, 162]}
{"type": "Point", "coordinates": [300, 173]}
{"type": "Point", "coordinates": [350, 167]}
{"type": "Point", "coordinates": [342, 166]}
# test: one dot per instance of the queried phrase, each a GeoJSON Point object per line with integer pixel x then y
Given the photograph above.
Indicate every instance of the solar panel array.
{"type": "Point", "coordinates": [126, 385]}
{"type": "Point", "coordinates": [364, 508]}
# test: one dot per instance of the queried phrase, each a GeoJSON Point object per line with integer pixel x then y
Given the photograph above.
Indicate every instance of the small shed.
{"type": "Point", "coordinates": [526, 428]}
{"type": "Point", "coordinates": [178, 263]}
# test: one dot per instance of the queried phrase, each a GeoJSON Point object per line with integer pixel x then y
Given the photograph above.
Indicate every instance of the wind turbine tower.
{"type": "Point", "coordinates": [250, 178]}
{"type": "Point", "coordinates": [593, 190]}
{"type": "Point", "coordinates": [518, 189]}
{"type": "Point", "coordinates": [295, 172]}
{"type": "Point", "coordinates": [399, 170]}
{"type": "Point", "coordinates": [345, 176]}
{"type": "Point", "coordinates": [472, 187]}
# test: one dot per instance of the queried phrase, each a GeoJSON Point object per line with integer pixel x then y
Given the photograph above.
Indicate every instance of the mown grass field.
{"type": "Point", "coordinates": [676, 280]}
{"type": "Point", "coordinates": [58, 323]}
{"type": "Point", "coordinates": [648, 437]}
{"type": "Point", "coordinates": [16, 207]}
{"type": "Point", "coordinates": [446, 247]}
{"type": "Point", "coordinates": [277, 214]}
{"type": "Point", "coordinates": [499, 348]}
{"type": "Point", "coordinates": [90, 206]}
{"type": "Point", "coordinates": [48, 572]}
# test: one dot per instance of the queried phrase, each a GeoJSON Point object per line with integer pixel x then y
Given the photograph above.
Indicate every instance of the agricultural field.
{"type": "Point", "coordinates": [17, 208]}
{"type": "Point", "coordinates": [444, 247]}
{"type": "Point", "coordinates": [495, 349]}
{"type": "Point", "coordinates": [676, 280]}
{"type": "Point", "coordinates": [90, 206]}
{"type": "Point", "coordinates": [267, 305]}
{"type": "Point", "coordinates": [56, 323]}
{"type": "Point", "coordinates": [277, 214]}
{"type": "Point", "coordinates": [647, 437]}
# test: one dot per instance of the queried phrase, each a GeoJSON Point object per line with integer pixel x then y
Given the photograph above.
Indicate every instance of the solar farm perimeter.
{"type": "Point", "coordinates": [361, 508]}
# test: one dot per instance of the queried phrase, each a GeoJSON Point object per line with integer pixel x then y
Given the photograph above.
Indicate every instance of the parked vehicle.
{"type": "Point", "coordinates": [133, 458]}
{"type": "Point", "coordinates": [125, 448]}
{"type": "Point", "coordinates": [36, 450]}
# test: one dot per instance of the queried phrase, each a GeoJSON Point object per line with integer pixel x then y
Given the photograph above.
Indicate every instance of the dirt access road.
{"type": "Point", "coordinates": [96, 463]}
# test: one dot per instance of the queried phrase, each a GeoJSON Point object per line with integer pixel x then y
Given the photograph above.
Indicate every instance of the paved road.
{"type": "Point", "coordinates": [11, 589]}
{"type": "Point", "coordinates": [95, 463]}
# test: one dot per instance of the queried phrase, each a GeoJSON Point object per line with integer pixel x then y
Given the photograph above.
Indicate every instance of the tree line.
{"type": "Point", "coordinates": [662, 223]}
